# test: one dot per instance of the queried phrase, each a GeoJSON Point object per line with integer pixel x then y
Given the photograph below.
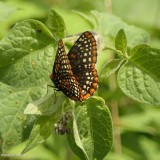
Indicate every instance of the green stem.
{"type": "Point", "coordinates": [114, 50]}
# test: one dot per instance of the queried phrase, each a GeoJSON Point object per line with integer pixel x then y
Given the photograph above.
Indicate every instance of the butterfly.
{"type": "Point", "coordinates": [74, 73]}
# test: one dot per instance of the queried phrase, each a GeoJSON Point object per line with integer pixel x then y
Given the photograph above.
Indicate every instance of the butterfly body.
{"type": "Point", "coordinates": [74, 73]}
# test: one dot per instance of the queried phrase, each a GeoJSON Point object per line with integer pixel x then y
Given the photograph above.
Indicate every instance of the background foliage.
{"type": "Point", "coordinates": [136, 125]}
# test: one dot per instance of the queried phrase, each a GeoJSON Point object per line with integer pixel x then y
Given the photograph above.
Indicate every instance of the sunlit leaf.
{"type": "Point", "coordinates": [40, 132]}
{"type": "Point", "coordinates": [121, 41]}
{"type": "Point", "coordinates": [13, 121]}
{"type": "Point", "coordinates": [91, 136]}
{"type": "Point", "coordinates": [140, 77]}
{"type": "Point", "coordinates": [111, 67]}
{"type": "Point", "coordinates": [26, 62]}
{"type": "Point", "coordinates": [46, 105]}
{"type": "Point", "coordinates": [56, 24]}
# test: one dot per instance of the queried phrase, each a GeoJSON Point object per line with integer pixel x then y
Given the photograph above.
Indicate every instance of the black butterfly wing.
{"type": "Point", "coordinates": [83, 57]}
{"type": "Point", "coordinates": [62, 75]}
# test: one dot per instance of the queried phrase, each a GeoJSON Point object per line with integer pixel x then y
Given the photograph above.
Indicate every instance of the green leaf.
{"type": "Point", "coordinates": [40, 132]}
{"type": "Point", "coordinates": [25, 38]}
{"type": "Point", "coordinates": [26, 62]}
{"type": "Point", "coordinates": [140, 77]}
{"type": "Point", "coordinates": [121, 41]}
{"type": "Point", "coordinates": [111, 67]}
{"type": "Point", "coordinates": [13, 121]}
{"type": "Point", "coordinates": [138, 84]}
{"type": "Point", "coordinates": [91, 136]}
{"type": "Point", "coordinates": [85, 17]}
{"type": "Point", "coordinates": [147, 59]}
{"type": "Point", "coordinates": [26, 55]}
{"type": "Point", "coordinates": [109, 25]}
{"type": "Point", "coordinates": [47, 105]}
{"type": "Point", "coordinates": [31, 71]}
{"type": "Point", "coordinates": [74, 140]}
{"type": "Point", "coordinates": [56, 24]}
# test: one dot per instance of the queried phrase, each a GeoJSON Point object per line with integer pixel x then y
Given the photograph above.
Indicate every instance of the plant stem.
{"type": "Point", "coordinates": [114, 50]}
{"type": "Point", "coordinates": [115, 113]}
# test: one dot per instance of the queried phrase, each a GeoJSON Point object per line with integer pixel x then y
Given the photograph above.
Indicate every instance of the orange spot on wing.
{"type": "Point", "coordinates": [86, 96]}
{"type": "Point", "coordinates": [92, 91]}
{"type": "Point", "coordinates": [96, 79]}
{"type": "Point", "coordinates": [95, 85]}
{"type": "Point", "coordinates": [73, 55]}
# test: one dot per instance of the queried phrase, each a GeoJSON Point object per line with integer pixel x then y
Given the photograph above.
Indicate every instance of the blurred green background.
{"type": "Point", "coordinates": [136, 130]}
